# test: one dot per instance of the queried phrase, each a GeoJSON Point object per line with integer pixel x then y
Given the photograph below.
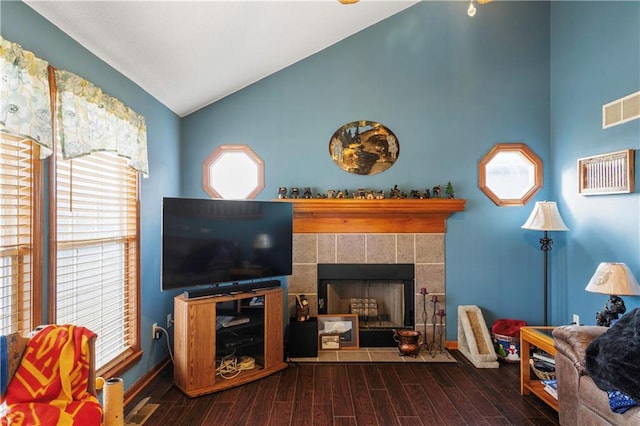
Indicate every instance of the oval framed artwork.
{"type": "Point", "coordinates": [364, 147]}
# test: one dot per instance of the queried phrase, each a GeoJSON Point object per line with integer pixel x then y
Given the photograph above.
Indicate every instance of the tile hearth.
{"type": "Point", "coordinates": [376, 355]}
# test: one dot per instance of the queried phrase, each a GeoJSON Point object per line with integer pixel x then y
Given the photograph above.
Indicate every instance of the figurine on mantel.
{"type": "Point", "coordinates": [449, 191]}
{"type": "Point", "coordinates": [395, 192]}
{"type": "Point", "coordinates": [367, 194]}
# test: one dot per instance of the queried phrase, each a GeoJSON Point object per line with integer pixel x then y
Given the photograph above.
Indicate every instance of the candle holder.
{"type": "Point", "coordinates": [423, 292]}
{"type": "Point", "coordinates": [441, 314]}
{"type": "Point", "coordinates": [437, 321]}
{"type": "Point", "coordinates": [432, 344]}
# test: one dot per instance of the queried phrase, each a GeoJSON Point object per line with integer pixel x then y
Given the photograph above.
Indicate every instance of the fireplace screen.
{"type": "Point", "coordinates": [378, 304]}
{"type": "Point", "coordinates": [382, 295]}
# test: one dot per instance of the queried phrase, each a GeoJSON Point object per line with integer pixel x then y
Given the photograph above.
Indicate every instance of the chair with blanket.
{"type": "Point", "coordinates": [49, 378]}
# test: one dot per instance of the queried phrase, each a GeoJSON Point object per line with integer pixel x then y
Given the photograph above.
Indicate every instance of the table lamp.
{"type": "Point", "coordinates": [614, 279]}
{"type": "Point", "coordinates": [545, 217]}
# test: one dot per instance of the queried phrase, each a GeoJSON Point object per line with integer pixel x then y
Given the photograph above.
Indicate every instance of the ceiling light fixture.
{"type": "Point", "coordinates": [472, 10]}
{"type": "Point", "coordinates": [348, 1]}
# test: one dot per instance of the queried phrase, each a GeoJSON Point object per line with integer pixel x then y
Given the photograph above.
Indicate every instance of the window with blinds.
{"type": "Point", "coordinates": [97, 241]}
{"type": "Point", "coordinates": [20, 235]}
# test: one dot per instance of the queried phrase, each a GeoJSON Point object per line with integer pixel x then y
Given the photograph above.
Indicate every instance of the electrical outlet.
{"type": "Point", "coordinates": [576, 319]}
{"type": "Point", "coordinates": [169, 322]}
{"type": "Point", "coordinates": [156, 331]}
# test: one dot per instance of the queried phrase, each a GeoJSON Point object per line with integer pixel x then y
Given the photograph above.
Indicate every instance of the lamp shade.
{"type": "Point", "coordinates": [614, 279]}
{"type": "Point", "coordinates": [545, 217]}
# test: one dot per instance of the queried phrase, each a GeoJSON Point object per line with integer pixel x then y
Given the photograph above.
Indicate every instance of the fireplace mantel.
{"type": "Point", "coordinates": [339, 216]}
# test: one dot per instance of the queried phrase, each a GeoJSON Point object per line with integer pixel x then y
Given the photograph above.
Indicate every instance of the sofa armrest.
{"type": "Point", "coordinates": [572, 341]}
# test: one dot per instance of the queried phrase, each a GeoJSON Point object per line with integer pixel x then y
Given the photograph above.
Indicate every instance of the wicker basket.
{"type": "Point", "coordinates": [542, 375]}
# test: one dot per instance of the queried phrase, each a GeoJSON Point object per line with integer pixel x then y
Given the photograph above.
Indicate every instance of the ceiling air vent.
{"type": "Point", "coordinates": [621, 110]}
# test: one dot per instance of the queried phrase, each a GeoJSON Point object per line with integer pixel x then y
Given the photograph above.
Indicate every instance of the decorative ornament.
{"type": "Point", "coordinates": [367, 193]}
{"type": "Point", "coordinates": [307, 193]}
{"type": "Point", "coordinates": [364, 147]}
{"type": "Point", "coordinates": [302, 308]}
{"type": "Point", "coordinates": [449, 191]}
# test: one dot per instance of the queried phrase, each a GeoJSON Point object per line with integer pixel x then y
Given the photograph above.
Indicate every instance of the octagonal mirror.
{"type": "Point", "coordinates": [233, 172]}
{"type": "Point", "coordinates": [510, 174]}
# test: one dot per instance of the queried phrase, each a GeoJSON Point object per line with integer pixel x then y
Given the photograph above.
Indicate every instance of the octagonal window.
{"type": "Point", "coordinates": [233, 172]}
{"type": "Point", "coordinates": [510, 174]}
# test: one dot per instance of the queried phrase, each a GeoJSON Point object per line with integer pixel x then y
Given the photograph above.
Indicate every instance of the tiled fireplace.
{"type": "Point", "coordinates": [373, 232]}
{"type": "Point", "coordinates": [424, 251]}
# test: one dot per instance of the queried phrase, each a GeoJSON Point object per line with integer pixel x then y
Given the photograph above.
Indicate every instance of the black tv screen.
{"type": "Point", "coordinates": [207, 243]}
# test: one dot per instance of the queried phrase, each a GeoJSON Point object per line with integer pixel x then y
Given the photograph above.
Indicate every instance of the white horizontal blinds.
{"type": "Point", "coordinates": [17, 162]}
{"type": "Point", "coordinates": [97, 244]}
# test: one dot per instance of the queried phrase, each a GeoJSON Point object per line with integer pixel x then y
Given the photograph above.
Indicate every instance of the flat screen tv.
{"type": "Point", "coordinates": [213, 246]}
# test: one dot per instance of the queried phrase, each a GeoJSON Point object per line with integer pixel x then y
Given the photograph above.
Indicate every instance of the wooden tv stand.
{"type": "Point", "coordinates": [199, 347]}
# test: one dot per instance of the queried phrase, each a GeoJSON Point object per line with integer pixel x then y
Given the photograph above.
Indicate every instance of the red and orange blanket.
{"type": "Point", "coordinates": [50, 385]}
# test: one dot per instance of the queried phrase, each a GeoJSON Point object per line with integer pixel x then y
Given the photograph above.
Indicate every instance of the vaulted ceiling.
{"type": "Point", "coordinates": [188, 54]}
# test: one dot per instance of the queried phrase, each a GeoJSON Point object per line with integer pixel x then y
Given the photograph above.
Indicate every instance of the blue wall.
{"type": "Point", "coordinates": [20, 24]}
{"type": "Point", "coordinates": [450, 87]}
{"type": "Point", "coordinates": [595, 59]}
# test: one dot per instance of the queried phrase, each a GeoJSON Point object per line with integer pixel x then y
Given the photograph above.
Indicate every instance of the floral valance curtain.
{"type": "Point", "coordinates": [25, 108]}
{"type": "Point", "coordinates": [90, 120]}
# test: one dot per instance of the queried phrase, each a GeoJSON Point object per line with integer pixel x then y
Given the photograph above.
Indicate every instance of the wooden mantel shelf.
{"type": "Point", "coordinates": [339, 216]}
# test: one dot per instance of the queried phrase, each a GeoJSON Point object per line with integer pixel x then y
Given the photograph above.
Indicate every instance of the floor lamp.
{"type": "Point", "coordinates": [545, 217]}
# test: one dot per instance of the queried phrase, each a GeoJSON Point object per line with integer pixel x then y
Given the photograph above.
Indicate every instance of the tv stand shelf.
{"type": "Point", "coordinates": [199, 347]}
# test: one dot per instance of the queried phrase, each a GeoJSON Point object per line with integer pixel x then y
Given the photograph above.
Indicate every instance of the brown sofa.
{"type": "Point", "coordinates": [579, 399]}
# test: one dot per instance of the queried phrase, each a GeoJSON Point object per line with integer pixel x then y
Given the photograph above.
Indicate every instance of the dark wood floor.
{"type": "Point", "coordinates": [359, 394]}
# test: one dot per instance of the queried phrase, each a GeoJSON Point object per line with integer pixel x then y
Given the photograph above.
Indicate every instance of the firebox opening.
{"type": "Point", "coordinates": [382, 295]}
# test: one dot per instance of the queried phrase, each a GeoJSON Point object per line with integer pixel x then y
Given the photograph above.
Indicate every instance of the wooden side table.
{"type": "Point", "coordinates": [541, 338]}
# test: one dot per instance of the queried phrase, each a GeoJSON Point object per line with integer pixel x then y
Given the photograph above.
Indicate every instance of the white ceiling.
{"type": "Point", "coordinates": [188, 54]}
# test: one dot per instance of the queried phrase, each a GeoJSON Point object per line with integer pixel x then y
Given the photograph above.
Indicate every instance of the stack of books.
{"type": "Point", "coordinates": [551, 387]}
{"type": "Point", "coordinates": [544, 362]}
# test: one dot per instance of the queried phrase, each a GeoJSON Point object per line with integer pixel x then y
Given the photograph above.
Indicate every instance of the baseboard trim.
{"type": "Point", "coordinates": [453, 345]}
{"type": "Point", "coordinates": [132, 392]}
